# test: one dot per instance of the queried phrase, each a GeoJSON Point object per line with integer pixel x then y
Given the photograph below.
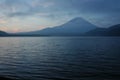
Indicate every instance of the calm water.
{"type": "Point", "coordinates": [60, 58]}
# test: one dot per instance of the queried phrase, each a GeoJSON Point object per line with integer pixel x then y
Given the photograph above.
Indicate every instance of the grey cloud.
{"type": "Point", "coordinates": [99, 10]}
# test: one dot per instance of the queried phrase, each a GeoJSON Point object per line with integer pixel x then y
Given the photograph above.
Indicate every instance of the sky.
{"type": "Point", "coordinates": [30, 15]}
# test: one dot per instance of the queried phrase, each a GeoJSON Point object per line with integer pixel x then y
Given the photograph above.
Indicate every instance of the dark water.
{"type": "Point", "coordinates": [60, 58]}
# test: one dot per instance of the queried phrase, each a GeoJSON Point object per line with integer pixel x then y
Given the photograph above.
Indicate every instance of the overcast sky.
{"type": "Point", "coordinates": [30, 15]}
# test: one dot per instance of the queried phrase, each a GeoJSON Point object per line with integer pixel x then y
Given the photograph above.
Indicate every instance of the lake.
{"type": "Point", "coordinates": [60, 58]}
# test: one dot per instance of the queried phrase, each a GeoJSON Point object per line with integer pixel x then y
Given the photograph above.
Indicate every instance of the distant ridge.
{"type": "Point", "coordinates": [111, 31]}
{"type": "Point", "coordinates": [2, 33]}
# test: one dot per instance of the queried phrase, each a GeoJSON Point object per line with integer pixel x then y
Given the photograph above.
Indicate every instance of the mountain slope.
{"type": "Point", "coordinates": [111, 31]}
{"type": "Point", "coordinates": [2, 33]}
{"type": "Point", "coordinates": [114, 30]}
{"type": "Point", "coordinates": [76, 26]}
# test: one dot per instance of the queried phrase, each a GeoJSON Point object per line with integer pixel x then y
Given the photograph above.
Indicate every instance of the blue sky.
{"type": "Point", "coordinates": [30, 15]}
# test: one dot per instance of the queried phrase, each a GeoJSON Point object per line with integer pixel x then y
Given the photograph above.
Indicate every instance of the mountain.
{"type": "Point", "coordinates": [74, 27]}
{"type": "Point", "coordinates": [111, 31]}
{"type": "Point", "coordinates": [2, 33]}
{"type": "Point", "coordinates": [96, 32]}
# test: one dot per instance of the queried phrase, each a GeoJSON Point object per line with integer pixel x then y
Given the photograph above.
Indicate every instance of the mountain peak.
{"type": "Point", "coordinates": [81, 22]}
{"type": "Point", "coordinates": [77, 19]}
{"type": "Point", "coordinates": [78, 25]}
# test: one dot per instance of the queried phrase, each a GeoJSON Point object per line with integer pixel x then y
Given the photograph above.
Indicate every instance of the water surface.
{"type": "Point", "coordinates": [60, 58]}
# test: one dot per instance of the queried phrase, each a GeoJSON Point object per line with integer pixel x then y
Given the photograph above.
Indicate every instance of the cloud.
{"type": "Point", "coordinates": [30, 7]}
{"type": "Point", "coordinates": [99, 12]}
{"type": "Point", "coordinates": [24, 8]}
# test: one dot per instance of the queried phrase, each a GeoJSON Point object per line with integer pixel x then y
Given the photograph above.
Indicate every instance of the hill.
{"type": "Point", "coordinates": [111, 31]}
{"type": "Point", "coordinates": [2, 33]}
